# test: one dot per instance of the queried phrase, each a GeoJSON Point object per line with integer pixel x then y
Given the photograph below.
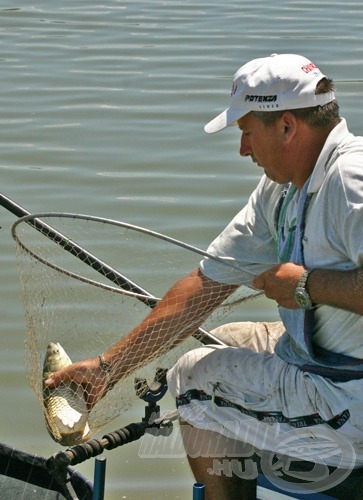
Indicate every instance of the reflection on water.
{"type": "Point", "coordinates": [102, 112]}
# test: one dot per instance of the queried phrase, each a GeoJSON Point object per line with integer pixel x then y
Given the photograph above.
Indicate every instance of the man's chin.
{"type": "Point", "coordinates": [272, 177]}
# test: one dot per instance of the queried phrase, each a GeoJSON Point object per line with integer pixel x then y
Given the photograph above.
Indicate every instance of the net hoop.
{"type": "Point", "coordinates": [32, 218]}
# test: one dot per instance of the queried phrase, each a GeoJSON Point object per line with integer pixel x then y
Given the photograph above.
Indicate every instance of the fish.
{"type": "Point", "coordinates": [65, 408]}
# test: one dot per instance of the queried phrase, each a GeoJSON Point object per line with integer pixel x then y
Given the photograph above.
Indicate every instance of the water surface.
{"type": "Point", "coordinates": [102, 112]}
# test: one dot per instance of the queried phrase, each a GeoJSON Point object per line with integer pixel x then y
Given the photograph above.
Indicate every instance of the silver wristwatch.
{"type": "Point", "coordinates": [302, 297]}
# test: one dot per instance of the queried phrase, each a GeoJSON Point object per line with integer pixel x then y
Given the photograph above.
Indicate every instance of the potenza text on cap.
{"type": "Point", "coordinates": [275, 83]}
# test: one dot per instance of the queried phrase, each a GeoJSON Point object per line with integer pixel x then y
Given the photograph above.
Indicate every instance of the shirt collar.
{"type": "Point", "coordinates": [336, 136]}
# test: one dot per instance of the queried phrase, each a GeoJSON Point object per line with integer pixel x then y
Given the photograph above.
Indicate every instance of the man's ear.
{"type": "Point", "coordinates": [289, 124]}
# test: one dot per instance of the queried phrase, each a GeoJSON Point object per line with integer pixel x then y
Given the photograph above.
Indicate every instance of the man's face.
{"type": "Point", "coordinates": [266, 145]}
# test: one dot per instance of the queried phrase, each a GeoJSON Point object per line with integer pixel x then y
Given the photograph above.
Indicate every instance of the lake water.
{"type": "Point", "coordinates": [102, 113]}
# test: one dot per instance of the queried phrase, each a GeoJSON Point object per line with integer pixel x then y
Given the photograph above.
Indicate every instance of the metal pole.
{"type": "Point", "coordinates": [198, 491]}
{"type": "Point", "coordinates": [99, 478]}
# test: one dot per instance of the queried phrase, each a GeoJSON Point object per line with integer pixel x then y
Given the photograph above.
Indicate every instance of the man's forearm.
{"type": "Point", "coordinates": [342, 289]}
{"type": "Point", "coordinates": [178, 315]}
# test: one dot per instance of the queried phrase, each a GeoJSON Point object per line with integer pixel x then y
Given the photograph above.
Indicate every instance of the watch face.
{"type": "Point", "coordinates": [302, 298]}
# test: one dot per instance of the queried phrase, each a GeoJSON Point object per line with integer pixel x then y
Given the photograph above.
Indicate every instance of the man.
{"type": "Point", "coordinates": [301, 236]}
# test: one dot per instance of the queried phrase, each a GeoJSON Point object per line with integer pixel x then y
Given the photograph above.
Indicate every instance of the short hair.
{"type": "Point", "coordinates": [314, 117]}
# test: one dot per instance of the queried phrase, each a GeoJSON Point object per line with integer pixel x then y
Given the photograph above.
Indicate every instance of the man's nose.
{"type": "Point", "coordinates": [245, 146]}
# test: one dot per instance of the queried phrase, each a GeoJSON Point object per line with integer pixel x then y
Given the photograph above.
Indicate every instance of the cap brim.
{"type": "Point", "coordinates": [227, 118]}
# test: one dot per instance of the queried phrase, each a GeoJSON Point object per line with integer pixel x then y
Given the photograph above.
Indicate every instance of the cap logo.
{"type": "Point", "coordinates": [309, 67]}
{"type": "Point", "coordinates": [261, 98]}
{"type": "Point", "coordinates": [234, 88]}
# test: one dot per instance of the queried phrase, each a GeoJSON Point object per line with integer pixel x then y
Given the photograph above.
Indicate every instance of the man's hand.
{"type": "Point", "coordinates": [87, 373]}
{"type": "Point", "coordinates": [279, 283]}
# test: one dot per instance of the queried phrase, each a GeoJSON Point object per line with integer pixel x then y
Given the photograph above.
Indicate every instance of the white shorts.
{"type": "Point", "coordinates": [251, 395]}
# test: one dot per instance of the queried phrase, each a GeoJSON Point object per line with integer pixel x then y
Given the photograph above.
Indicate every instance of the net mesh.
{"type": "Point", "coordinates": [68, 301]}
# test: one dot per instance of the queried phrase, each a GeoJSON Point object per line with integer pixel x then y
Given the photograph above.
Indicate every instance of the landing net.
{"type": "Point", "coordinates": [75, 271]}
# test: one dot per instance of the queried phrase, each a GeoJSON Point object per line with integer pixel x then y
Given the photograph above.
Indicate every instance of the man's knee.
{"type": "Point", "coordinates": [257, 336]}
{"type": "Point", "coordinates": [183, 375]}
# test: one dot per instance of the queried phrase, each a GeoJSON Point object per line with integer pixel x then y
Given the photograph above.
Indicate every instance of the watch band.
{"type": "Point", "coordinates": [303, 279]}
{"type": "Point", "coordinates": [302, 296]}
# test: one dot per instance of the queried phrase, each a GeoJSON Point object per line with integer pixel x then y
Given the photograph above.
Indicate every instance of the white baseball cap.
{"type": "Point", "coordinates": [275, 83]}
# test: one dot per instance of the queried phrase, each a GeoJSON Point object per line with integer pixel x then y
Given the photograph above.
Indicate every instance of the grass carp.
{"type": "Point", "coordinates": [66, 411]}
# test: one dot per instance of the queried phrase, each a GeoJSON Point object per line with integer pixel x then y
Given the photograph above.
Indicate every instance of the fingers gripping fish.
{"type": "Point", "coordinates": [65, 408]}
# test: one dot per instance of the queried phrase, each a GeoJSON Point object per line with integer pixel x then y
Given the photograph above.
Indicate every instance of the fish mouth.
{"type": "Point", "coordinates": [74, 438]}
{"type": "Point", "coordinates": [70, 439]}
